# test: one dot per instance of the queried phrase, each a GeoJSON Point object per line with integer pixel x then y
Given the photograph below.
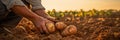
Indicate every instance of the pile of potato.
{"type": "Point", "coordinates": [64, 29]}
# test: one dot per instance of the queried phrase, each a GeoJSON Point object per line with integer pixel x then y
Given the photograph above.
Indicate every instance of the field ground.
{"type": "Point", "coordinates": [89, 28]}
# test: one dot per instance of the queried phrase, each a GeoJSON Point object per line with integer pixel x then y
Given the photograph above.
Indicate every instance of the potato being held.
{"type": "Point", "coordinates": [50, 26]}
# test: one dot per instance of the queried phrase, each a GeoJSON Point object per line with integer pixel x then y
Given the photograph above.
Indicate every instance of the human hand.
{"type": "Point", "coordinates": [45, 15]}
{"type": "Point", "coordinates": [40, 24]}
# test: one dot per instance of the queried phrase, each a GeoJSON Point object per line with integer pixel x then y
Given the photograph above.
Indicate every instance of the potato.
{"type": "Point", "coordinates": [50, 26]}
{"type": "Point", "coordinates": [69, 30]}
{"type": "Point", "coordinates": [60, 25]}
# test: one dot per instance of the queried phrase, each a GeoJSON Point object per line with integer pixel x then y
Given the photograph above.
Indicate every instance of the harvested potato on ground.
{"type": "Point", "coordinates": [69, 30]}
{"type": "Point", "coordinates": [51, 27]}
{"type": "Point", "coordinates": [60, 25]}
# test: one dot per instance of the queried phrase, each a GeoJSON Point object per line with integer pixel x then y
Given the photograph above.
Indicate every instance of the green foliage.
{"type": "Point", "coordinates": [80, 13]}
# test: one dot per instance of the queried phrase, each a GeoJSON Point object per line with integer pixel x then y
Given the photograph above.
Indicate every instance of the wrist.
{"type": "Point", "coordinates": [41, 13]}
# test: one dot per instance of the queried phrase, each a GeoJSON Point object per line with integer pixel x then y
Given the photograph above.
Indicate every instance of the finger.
{"type": "Point", "coordinates": [51, 19]}
{"type": "Point", "coordinates": [40, 28]}
{"type": "Point", "coordinates": [44, 28]}
{"type": "Point", "coordinates": [56, 21]}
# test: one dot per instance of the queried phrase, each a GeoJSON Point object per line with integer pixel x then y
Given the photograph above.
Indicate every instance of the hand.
{"type": "Point", "coordinates": [51, 18]}
{"type": "Point", "coordinates": [37, 20]}
{"type": "Point", "coordinates": [45, 15]}
{"type": "Point", "coordinates": [40, 24]}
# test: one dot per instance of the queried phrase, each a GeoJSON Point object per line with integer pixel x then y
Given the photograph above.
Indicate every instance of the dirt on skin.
{"type": "Point", "coordinates": [89, 28]}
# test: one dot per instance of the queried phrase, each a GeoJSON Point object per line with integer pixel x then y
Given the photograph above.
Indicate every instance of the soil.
{"type": "Point", "coordinates": [89, 28]}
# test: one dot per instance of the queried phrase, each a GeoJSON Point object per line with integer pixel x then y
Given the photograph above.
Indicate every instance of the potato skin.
{"type": "Point", "coordinates": [51, 27]}
{"type": "Point", "coordinates": [69, 30]}
{"type": "Point", "coordinates": [60, 25]}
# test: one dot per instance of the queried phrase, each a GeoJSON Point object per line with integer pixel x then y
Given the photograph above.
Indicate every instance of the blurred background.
{"type": "Point", "coordinates": [81, 4]}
